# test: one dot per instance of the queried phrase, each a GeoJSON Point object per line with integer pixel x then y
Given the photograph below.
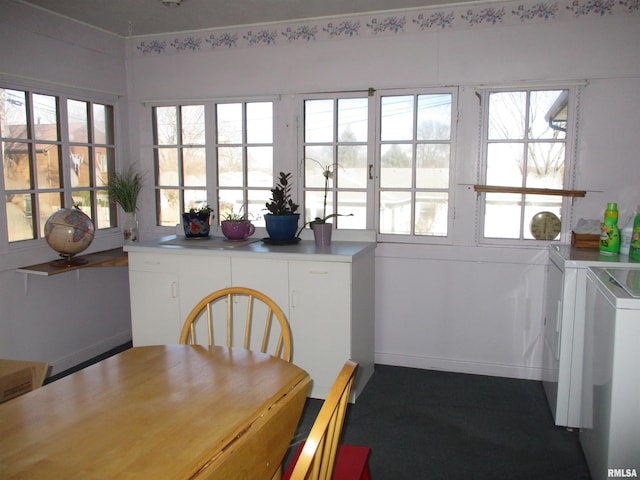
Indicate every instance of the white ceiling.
{"type": "Point", "coordinates": [149, 17]}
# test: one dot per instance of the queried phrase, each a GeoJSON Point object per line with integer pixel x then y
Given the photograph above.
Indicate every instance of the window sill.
{"type": "Point", "coordinates": [108, 258]}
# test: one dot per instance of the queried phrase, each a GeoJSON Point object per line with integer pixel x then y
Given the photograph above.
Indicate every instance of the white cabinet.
{"type": "Point", "coordinates": [328, 298]}
{"type": "Point", "coordinates": [164, 289]}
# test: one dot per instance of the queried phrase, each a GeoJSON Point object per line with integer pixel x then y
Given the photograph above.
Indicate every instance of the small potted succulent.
{"type": "Point", "coordinates": [197, 221]}
{"type": "Point", "coordinates": [237, 226]}
{"type": "Point", "coordinates": [282, 220]}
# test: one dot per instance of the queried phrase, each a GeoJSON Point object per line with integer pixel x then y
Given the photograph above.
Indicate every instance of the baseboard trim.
{"type": "Point", "coordinates": [459, 366]}
{"type": "Point", "coordinates": [88, 353]}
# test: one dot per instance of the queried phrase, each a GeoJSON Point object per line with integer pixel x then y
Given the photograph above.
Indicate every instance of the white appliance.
{"type": "Point", "coordinates": [610, 436]}
{"type": "Point", "coordinates": [564, 327]}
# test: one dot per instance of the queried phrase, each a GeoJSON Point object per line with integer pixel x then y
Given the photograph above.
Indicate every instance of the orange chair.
{"type": "Point", "coordinates": [320, 457]}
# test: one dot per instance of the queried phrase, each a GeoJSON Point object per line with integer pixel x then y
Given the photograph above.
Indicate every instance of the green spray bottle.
{"type": "Point", "coordinates": [609, 233]}
{"type": "Point", "coordinates": [634, 247]}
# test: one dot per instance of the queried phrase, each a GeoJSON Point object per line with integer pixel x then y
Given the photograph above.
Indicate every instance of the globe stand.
{"type": "Point", "coordinates": [68, 261]}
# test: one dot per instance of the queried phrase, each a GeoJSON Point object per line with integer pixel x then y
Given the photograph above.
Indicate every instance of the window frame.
{"type": "Point", "coordinates": [62, 96]}
{"type": "Point", "coordinates": [412, 238]}
{"type": "Point", "coordinates": [566, 192]}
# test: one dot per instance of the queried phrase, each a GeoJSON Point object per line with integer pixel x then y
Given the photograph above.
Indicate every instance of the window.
{"type": "Point", "coordinates": [335, 160]}
{"type": "Point", "coordinates": [415, 152]}
{"type": "Point", "coordinates": [243, 151]}
{"type": "Point", "coordinates": [56, 152]}
{"type": "Point", "coordinates": [525, 158]}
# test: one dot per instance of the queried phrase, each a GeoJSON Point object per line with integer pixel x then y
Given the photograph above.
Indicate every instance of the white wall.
{"type": "Point", "coordinates": [70, 317]}
{"type": "Point", "coordinates": [462, 307]}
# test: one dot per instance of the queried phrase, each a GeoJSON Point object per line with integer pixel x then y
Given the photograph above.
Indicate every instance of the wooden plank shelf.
{"type": "Point", "coordinates": [108, 258]}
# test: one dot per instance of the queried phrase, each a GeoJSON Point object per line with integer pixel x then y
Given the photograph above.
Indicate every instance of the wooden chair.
{"type": "Point", "coordinates": [260, 310]}
{"type": "Point", "coordinates": [320, 457]}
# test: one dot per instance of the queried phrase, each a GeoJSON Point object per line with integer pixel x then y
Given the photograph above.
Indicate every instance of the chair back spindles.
{"type": "Point", "coordinates": [237, 297]}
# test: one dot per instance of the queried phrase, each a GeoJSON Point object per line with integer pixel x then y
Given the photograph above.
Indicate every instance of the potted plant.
{"type": "Point", "coordinates": [237, 226]}
{"type": "Point", "coordinates": [282, 220]}
{"type": "Point", "coordinates": [123, 188]}
{"type": "Point", "coordinates": [321, 228]}
{"type": "Point", "coordinates": [197, 221]}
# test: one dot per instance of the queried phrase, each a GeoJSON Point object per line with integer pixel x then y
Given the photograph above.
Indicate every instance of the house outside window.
{"type": "Point", "coordinates": [56, 152]}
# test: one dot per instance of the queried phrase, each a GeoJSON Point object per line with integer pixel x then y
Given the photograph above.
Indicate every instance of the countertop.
{"type": "Point", "coordinates": [585, 257]}
{"type": "Point", "coordinates": [338, 251]}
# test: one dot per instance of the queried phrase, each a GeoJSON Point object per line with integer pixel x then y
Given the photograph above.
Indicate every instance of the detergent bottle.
{"type": "Point", "coordinates": [634, 247]}
{"type": "Point", "coordinates": [609, 233]}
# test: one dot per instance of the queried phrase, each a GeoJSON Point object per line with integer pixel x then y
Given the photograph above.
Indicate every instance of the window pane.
{"type": "Point", "coordinates": [431, 213]}
{"type": "Point", "coordinates": [432, 165]}
{"type": "Point", "coordinates": [166, 127]}
{"type": "Point", "coordinates": [82, 200]}
{"type": "Point", "coordinates": [17, 167]}
{"type": "Point", "coordinates": [79, 166]}
{"type": "Point", "coordinates": [505, 164]}
{"type": "Point", "coordinates": [229, 117]}
{"type": "Point", "coordinates": [13, 117]}
{"type": "Point", "coordinates": [230, 172]}
{"type": "Point", "coordinates": [397, 118]}
{"type": "Point", "coordinates": [260, 167]}
{"type": "Point", "coordinates": [104, 164]}
{"type": "Point", "coordinates": [352, 166]}
{"type": "Point", "coordinates": [395, 212]}
{"type": "Point", "coordinates": [193, 125]}
{"type": "Point", "coordinates": [313, 204]}
{"type": "Point", "coordinates": [48, 204]}
{"type": "Point", "coordinates": [318, 121]}
{"type": "Point", "coordinates": [316, 157]}
{"type": "Point", "coordinates": [502, 215]}
{"type": "Point", "coordinates": [19, 217]}
{"type": "Point", "coordinates": [545, 165]}
{"type": "Point", "coordinates": [48, 166]}
{"type": "Point", "coordinates": [195, 167]}
{"type": "Point", "coordinates": [396, 166]}
{"type": "Point", "coordinates": [45, 115]}
{"type": "Point", "coordinates": [168, 173]}
{"type": "Point", "coordinates": [507, 113]}
{"type": "Point", "coordinates": [169, 207]}
{"type": "Point", "coordinates": [229, 201]}
{"type": "Point", "coordinates": [104, 217]}
{"type": "Point", "coordinates": [548, 114]}
{"type": "Point", "coordinates": [103, 124]}
{"type": "Point", "coordinates": [78, 121]}
{"type": "Point", "coordinates": [195, 199]}
{"type": "Point", "coordinates": [355, 204]}
{"type": "Point", "coordinates": [434, 117]}
{"type": "Point", "coordinates": [260, 122]}
{"type": "Point", "coordinates": [257, 200]}
{"type": "Point", "coordinates": [353, 118]}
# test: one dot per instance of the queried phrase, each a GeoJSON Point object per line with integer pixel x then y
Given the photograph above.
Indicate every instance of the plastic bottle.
{"type": "Point", "coordinates": [634, 248]}
{"type": "Point", "coordinates": [609, 233]}
{"type": "Point", "coordinates": [625, 235]}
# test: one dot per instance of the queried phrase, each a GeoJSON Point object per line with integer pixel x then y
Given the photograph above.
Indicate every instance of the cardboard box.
{"type": "Point", "coordinates": [19, 377]}
{"type": "Point", "coordinates": [585, 240]}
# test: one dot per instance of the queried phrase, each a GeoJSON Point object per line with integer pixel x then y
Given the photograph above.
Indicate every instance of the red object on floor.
{"type": "Point", "coordinates": [352, 463]}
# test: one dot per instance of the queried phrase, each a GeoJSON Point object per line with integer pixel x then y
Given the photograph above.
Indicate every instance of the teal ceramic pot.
{"type": "Point", "coordinates": [282, 228]}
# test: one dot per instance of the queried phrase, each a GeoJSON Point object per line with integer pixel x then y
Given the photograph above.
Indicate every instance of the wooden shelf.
{"type": "Point", "coordinates": [530, 191]}
{"type": "Point", "coordinates": [109, 258]}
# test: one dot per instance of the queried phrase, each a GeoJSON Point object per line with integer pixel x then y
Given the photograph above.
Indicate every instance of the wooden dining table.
{"type": "Point", "coordinates": [157, 412]}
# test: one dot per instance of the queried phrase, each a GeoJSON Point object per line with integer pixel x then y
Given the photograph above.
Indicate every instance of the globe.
{"type": "Point", "coordinates": [69, 231]}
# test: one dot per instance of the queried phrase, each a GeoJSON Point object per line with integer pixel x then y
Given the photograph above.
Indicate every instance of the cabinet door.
{"type": "Point", "coordinates": [154, 307]}
{"type": "Point", "coordinates": [269, 276]}
{"type": "Point", "coordinates": [199, 276]}
{"type": "Point", "coordinates": [320, 318]}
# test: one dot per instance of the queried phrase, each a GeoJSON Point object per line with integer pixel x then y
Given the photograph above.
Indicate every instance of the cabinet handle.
{"type": "Point", "coordinates": [318, 272]}
{"type": "Point", "coordinates": [149, 262]}
{"type": "Point", "coordinates": [174, 290]}
{"type": "Point", "coordinates": [293, 299]}
{"type": "Point", "coordinates": [559, 316]}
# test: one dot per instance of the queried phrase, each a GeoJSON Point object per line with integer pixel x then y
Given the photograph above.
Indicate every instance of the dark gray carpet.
{"type": "Point", "coordinates": [425, 424]}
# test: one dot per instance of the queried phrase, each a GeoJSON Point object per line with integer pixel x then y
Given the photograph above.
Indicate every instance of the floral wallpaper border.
{"type": "Point", "coordinates": [389, 23]}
